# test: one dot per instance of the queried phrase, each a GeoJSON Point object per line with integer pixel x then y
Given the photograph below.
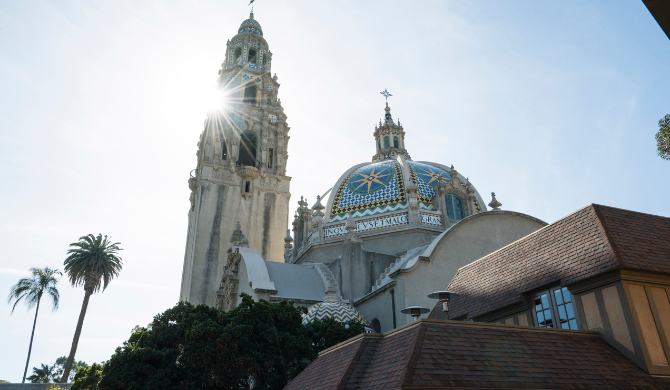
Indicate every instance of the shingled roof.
{"type": "Point", "coordinates": [453, 354]}
{"type": "Point", "coordinates": [586, 243]}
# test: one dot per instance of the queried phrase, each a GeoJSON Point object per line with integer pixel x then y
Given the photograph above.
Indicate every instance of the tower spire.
{"type": "Point", "coordinates": [389, 136]}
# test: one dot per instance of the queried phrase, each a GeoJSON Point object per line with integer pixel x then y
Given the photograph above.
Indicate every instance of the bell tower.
{"type": "Point", "coordinates": [241, 167]}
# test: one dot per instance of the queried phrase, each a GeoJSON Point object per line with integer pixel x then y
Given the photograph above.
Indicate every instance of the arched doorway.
{"type": "Point", "coordinates": [247, 149]}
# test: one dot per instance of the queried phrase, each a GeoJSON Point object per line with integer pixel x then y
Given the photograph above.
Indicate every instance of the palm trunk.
{"type": "Point", "coordinates": [77, 333]}
{"type": "Point", "coordinates": [30, 348]}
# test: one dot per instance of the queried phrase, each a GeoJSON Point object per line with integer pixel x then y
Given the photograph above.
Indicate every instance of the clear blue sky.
{"type": "Point", "coordinates": [552, 105]}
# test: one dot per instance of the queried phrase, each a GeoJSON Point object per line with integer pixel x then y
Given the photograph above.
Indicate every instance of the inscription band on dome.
{"type": "Point", "coordinates": [368, 224]}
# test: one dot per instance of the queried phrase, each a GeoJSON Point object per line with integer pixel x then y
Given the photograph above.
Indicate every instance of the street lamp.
{"type": "Point", "coordinates": [444, 297]}
{"type": "Point", "coordinates": [415, 311]}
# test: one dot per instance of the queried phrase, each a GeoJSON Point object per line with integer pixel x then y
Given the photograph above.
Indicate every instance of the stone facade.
{"type": "Point", "coordinates": [241, 168]}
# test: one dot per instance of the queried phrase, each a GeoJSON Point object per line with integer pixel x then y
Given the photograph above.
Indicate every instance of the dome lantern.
{"type": "Point", "coordinates": [389, 138]}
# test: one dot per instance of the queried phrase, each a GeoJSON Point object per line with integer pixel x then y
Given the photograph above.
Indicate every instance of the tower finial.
{"type": "Point", "coordinates": [251, 3]}
{"type": "Point", "coordinates": [386, 94]}
{"type": "Point", "coordinates": [494, 202]}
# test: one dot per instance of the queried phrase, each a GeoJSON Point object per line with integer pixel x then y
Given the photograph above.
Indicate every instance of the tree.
{"type": "Point", "coordinates": [663, 137]}
{"type": "Point", "coordinates": [87, 378]}
{"type": "Point", "coordinates": [259, 345]}
{"type": "Point", "coordinates": [44, 374]}
{"type": "Point", "coordinates": [31, 290]}
{"type": "Point", "coordinates": [60, 368]}
{"type": "Point", "coordinates": [328, 332]}
{"type": "Point", "coordinates": [92, 262]}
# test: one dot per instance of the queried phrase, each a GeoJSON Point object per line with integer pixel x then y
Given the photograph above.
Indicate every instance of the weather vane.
{"type": "Point", "coordinates": [251, 3]}
{"type": "Point", "coordinates": [386, 94]}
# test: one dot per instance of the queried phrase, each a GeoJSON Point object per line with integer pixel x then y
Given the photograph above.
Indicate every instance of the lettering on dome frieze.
{"type": "Point", "coordinates": [368, 224]}
{"type": "Point", "coordinates": [431, 219]}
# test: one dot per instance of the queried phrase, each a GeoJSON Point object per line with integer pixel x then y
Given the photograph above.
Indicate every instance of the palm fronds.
{"type": "Point", "coordinates": [93, 260]}
{"type": "Point", "coordinates": [31, 289]}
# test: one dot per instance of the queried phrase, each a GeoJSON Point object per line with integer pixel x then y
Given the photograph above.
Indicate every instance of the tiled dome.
{"type": "Point", "coordinates": [340, 312]}
{"type": "Point", "coordinates": [380, 187]}
{"type": "Point", "coordinates": [250, 26]}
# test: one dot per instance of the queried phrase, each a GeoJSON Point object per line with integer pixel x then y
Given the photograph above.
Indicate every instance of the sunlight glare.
{"type": "Point", "coordinates": [217, 99]}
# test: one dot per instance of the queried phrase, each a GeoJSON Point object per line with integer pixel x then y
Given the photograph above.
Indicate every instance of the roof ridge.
{"type": "Point", "coordinates": [608, 235]}
{"type": "Point", "coordinates": [512, 243]}
{"type": "Point", "coordinates": [352, 363]}
{"type": "Point", "coordinates": [413, 356]}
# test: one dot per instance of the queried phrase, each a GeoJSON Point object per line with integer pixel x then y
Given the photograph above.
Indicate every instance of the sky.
{"type": "Point", "coordinates": [552, 105]}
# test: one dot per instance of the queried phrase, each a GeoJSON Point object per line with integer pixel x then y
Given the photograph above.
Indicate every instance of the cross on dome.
{"type": "Point", "coordinates": [386, 94]}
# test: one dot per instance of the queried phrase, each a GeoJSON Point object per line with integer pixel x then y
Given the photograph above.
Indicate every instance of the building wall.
{"type": "Point", "coordinates": [650, 310]}
{"type": "Point", "coordinates": [467, 241]}
{"type": "Point", "coordinates": [218, 207]}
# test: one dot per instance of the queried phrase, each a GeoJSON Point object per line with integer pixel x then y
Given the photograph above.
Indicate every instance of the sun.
{"type": "Point", "coordinates": [217, 100]}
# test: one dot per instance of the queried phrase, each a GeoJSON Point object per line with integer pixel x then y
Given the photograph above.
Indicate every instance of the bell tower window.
{"type": "Point", "coordinates": [238, 54]}
{"type": "Point", "coordinates": [270, 154]}
{"type": "Point", "coordinates": [224, 150]}
{"type": "Point", "coordinates": [250, 95]}
{"type": "Point", "coordinates": [395, 142]}
{"type": "Point", "coordinates": [247, 150]}
{"type": "Point", "coordinates": [387, 144]}
{"type": "Point", "coordinates": [454, 206]}
{"type": "Point", "coordinates": [252, 56]}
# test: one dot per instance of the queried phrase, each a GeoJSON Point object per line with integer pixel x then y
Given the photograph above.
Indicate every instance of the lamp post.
{"type": "Point", "coordinates": [444, 297]}
{"type": "Point", "coordinates": [415, 311]}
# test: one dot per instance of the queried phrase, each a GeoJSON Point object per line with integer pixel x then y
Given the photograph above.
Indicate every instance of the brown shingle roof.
{"type": "Point", "coordinates": [448, 354]}
{"type": "Point", "coordinates": [586, 243]}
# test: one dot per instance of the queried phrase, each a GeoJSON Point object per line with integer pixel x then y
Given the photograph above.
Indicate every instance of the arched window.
{"type": "Point", "coordinates": [250, 95]}
{"type": "Point", "coordinates": [252, 56]}
{"type": "Point", "coordinates": [238, 54]}
{"type": "Point", "coordinates": [247, 149]}
{"type": "Point", "coordinates": [387, 144]}
{"type": "Point", "coordinates": [224, 150]}
{"type": "Point", "coordinates": [376, 326]}
{"type": "Point", "coordinates": [395, 142]}
{"type": "Point", "coordinates": [271, 153]}
{"type": "Point", "coordinates": [455, 208]}
{"type": "Point", "coordinates": [379, 145]}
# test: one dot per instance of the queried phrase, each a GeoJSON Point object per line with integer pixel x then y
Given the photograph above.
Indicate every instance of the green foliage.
{"type": "Point", "coordinates": [328, 332]}
{"type": "Point", "coordinates": [257, 345]}
{"type": "Point", "coordinates": [87, 378]}
{"type": "Point", "coordinates": [44, 374]}
{"type": "Point", "coordinates": [31, 289]}
{"type": "Point", "coordinates": [663, 137]}
{"type": "Point", "coordinates": [60, 366]}
{"type": "Point", "coordinates": [92, 260]}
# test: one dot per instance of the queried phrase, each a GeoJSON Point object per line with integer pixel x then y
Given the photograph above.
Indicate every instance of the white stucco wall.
{"type": "Point", "coordinates": [467, 241]}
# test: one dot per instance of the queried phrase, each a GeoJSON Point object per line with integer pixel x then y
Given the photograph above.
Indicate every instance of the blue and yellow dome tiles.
{"type": "Point", "coordinates": [372, 189]}
{"type": "Point", "coordinates": [426, 178]}
{"type": "Point", "coordinates": [340, 312]}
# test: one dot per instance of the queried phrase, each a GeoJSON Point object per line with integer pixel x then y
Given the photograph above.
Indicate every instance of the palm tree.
{"type": "Point", "coordinates": [31, 290]}
{"type": "Point", "coordinates": [44, 374]}
{"type": "Point", "coordinates": [92, 263]}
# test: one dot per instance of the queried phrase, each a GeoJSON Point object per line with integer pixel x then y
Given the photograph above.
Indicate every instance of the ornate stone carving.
{"type": "Point", "coordinates": [249, 172]}
{"type": "Point", "coordinates": [271, 182]}
{"type": "Point", "coordinates": [226, 297]}
{"type": "Point", "coordinates": [221, 173]}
